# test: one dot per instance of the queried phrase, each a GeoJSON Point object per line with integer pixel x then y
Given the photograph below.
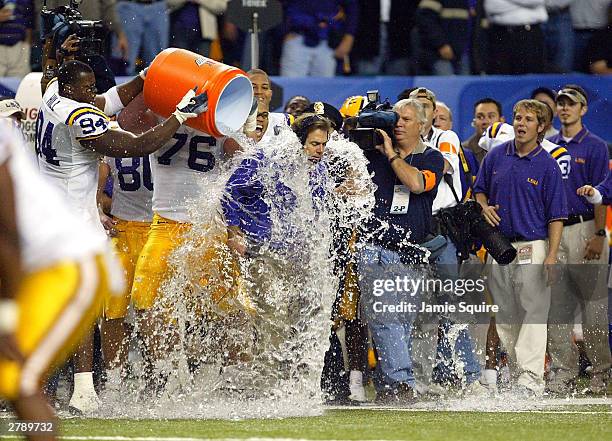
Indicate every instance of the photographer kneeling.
{"type": "Point", "coordinates": [407, 174]}
{"type": "Point", "coordinates": [520, 189]}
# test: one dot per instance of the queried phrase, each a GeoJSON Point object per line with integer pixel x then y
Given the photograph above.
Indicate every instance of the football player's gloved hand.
{"type": "Point", "coordinates": [251, 123]}
{"type": "Point", "coordinates": [191, 105]}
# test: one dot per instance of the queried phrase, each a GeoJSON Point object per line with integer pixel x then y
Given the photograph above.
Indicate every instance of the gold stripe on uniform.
{"type": "Point", "coordinates": [495, 129]}
{"type": "Point", "coordinates": [455, 13]}
{"type": "Point", "coordinates": [80, 112]}
{"type": "Point", "coordinates": [431, 4]}
{"type": "Point", "coordinates": [558, 152]}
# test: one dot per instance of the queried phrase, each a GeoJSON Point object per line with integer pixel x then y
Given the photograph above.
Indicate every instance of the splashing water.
{"type": "Point", "coordinates": [245, 337]}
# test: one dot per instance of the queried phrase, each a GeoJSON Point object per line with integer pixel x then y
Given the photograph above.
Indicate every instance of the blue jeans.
{"type": "Point", "coordinates": [390, 332]}
{"type": "Point", "coordinates": [299, 60]}
{"type": "Point", "coordinates": [456, 67]}
{"type": "Point", "coordinates": [464, 347]}
{"type": "Point", "coordinates": [559, 38]}
{"type": "Point", "coordinates": [146, 27]}
{"type": "Point", "coordinates": [464, 352]}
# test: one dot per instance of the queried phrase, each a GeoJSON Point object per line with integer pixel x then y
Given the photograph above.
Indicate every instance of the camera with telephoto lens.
{"type": "Point", "coordinates": [64, 21]}
{"type": "Point", "coordinates": [466, 227]}
{"type": "Point", "coordinates": [373, 116]}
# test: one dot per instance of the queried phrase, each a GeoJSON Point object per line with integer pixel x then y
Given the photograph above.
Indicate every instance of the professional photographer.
{"type": "Point", "coordinates": [521, 191]}
{"type": "Point", "coordinates": [86, 45]}
{"type": "Point", "coordinates": [101, 11]}
{"type": "Point", "coordinates": [407, 174]}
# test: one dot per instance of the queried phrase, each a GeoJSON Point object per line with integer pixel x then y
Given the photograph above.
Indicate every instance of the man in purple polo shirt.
{"type": "Point", "coordinates": [520, 189]}
{"type": "Point", "coordinates": [583, 247]}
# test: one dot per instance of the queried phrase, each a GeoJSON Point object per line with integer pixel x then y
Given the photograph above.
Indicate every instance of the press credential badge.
{"type": "Point", "coordinates": [524, 254]}
{"type": "Point", "coordinates": [401, 200]}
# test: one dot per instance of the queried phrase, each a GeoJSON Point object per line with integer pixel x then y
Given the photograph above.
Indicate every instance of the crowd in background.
{"type": "Point", "coordinates": [341, 37]}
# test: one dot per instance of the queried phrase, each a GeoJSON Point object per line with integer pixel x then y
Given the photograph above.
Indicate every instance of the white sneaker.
{"type": "Point", "coordinates": [489, 380]}
{"type": "Point", "coordinates": [475, 389]}
{"type": "Point", "coordinates": [356, 386]}
{"type": "Point", "coordinates": [357, 393]}
{"type": "Point", "coordinates": [84, 403]}
{"type": "Point", "coordinates": [436, 389]}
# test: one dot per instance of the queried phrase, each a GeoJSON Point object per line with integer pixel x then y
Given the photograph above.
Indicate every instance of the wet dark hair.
{"type": "Point", "coordinates": [309, 122]}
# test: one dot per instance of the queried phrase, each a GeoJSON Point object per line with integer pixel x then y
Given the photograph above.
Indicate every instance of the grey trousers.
{"type": "Point", "coordinates": [583, 289]}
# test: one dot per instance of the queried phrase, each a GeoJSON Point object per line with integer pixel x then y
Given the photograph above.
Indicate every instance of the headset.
{"type": "Point", "coordinates": [301, 130]}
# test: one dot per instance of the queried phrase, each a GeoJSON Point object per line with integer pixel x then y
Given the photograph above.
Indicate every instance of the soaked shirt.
{"type": "Point", "coordinates": [248, 202]}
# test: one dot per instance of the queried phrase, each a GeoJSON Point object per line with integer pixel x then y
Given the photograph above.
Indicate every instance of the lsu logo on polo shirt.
{"type": "Point", "coordinates": [533, 181]}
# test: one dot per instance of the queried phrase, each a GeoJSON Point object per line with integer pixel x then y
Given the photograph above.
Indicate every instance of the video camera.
{"type": "Point", "coordinates": [374, 115]}
{"type": "Point", "coordinates": [61, 22]}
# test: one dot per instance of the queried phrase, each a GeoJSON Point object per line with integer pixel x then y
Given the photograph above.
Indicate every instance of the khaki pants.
{"type": "Point", "coordinates": [523, 298]}
{"type": "Point", "coordinates": [582, 291]}
{"type": "Point", "coordinates": [15, 60]}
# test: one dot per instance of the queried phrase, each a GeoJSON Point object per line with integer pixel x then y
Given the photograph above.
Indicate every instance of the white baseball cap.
{"type": "Point", "coordinates": [10, 107]}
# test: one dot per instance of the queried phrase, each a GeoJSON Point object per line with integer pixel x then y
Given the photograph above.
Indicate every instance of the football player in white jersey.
{"type": "Point", "coordinates": [72, 133]}
{"type": "Point", "coordinates": [447, 142]}
{"type": "Point", "coordinates": [131, 218]}
{"type": "Point", "coordinates": [180, 169]}
{"type": "Point", "coordinates": [501, 132]}
{"type": "Point", "coordinates": [131, 215]}
{"type": "Point", "coordinates": [56, 272]}
{"type": "Point", "coordinates": [262, 90]}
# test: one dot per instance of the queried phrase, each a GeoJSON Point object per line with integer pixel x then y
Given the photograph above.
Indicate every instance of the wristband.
{"type": "Point", "coordinates": [394, 158]}
{"type": "Point", "coordinates": [143, 73]}
{"type": "Point", "coordinates": [9, 316]}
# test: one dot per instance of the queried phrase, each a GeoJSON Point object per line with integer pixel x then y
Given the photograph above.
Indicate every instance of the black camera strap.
{"type": "Point", "coordinates": [449, 181]}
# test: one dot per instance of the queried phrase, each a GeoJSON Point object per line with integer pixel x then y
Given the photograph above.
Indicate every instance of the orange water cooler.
{"type": "Point", "coordinates": [174, 71]}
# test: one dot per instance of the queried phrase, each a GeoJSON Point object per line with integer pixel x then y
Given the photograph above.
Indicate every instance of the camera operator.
{"type": "Point", "coordinates": [449, 192]}
{"type": "Point", "coordinates": [521, 191]}
{"type": "Point", "coordinates": [407, 174]}
{"type": "Point", "coordinates": [72, 133]}
{"type": "Point", "coordinates": [104, 11]}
